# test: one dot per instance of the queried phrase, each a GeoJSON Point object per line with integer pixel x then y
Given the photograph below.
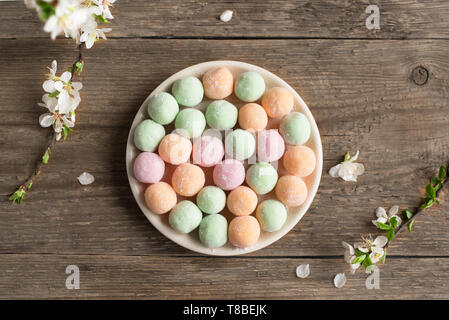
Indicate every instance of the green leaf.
{"type": "Point", "coordinates": [427, 204]}
{"type": "Point", "coordinates": [407, 213]}
{"type": "Point", "coordinates": [79, 67]}
{"type": "Point", "coordinates": [367, 262]}
{"type": "Point", "coordinates": [433, 181]}
{"type": "Point", "coordinates": [46, 156]}
{"type": "Point", "coordinates": [102, 19]}
{"type": "Point", "coordinates": [54, 94]}
{"type": "Point", "coordinates": [359, 252]}
{"type": "Point", "coordinates": [17, 196]}
{"type": "Point", "coordinates": [30, 185]}
{"type": "Point", "coordinates": [359, 259]}
{"type": "Point", "coordinates": [437, 201]}
{"type": "Point", "coordinates": [430, 190]}
{"type": "Point", "coordinates": [47, 10]}
{"type": "Point", "coordinates": [65, 131]}
{"type": "Point", "coordinates": [409, 226]}
{"type": "Point", "coordinates": [394, 222]}
{"type": "Point", "coordinates": [383, 226]}
{"type": "Point", "coordinates": [347, 156]}
{"type": "Point", "coordinates": [442, 173]}
{"type": "Point", "coordinates": [390, 235]}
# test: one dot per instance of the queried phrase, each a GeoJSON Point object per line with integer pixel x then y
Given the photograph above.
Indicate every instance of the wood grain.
{"type": "Point", "coordinates": [255, 19]}
{"type": "Point", "coordinates": [366, 102]}
{"type": "Point", "coordinates": [120, 277]}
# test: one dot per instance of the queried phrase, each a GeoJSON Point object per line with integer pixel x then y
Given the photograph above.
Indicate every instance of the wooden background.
{"type": "Point", "coordinates": [358, 84]}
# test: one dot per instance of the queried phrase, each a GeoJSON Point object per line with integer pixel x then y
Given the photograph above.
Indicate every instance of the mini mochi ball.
{"type": "Point", "coordinates": [185, 217]}
{"type": "Point", "coordinates": [148, 167]}
{"type": "Point", "coordinates": [207, 151]}
{"type": "Point", "coordinates": [221, 115]}
{"type": "Point", "coordinates": [160, 197]}
{"type": "Point", "coordinates": [299, 161]}
{"type": "Point", "coordinates": [229, 174]}
{"type": "Point", "coordinates": [191, 122]}
{"type": "Point", "coordinates": [163, 108]}
{"type": "Point", "coordinates": [211, 200]}
{"type": "Point", "coordinates": [188, 91]}
{"type": "Point", "coordinates": [213, 231]}
{"type": "Point", "coordinates": [262, 177]}
{"type": "Point", "coordinates": [188, 179]}
{"type": "Point", "coordinates": [270, 145]}
{"type": "Point", "coordinates": [271, 215]}
{"type": "Point", "coordinates": [240, 144]}
{"type": "Point", "coordinates": [295, 128]}
{"type": "Point", "coordinates": [249, 86]}
{"type": "Point", "coordinates": [175, 149]}
{"type": "Point", "coordinates": [252, 117]}
{"type": "Point", "coordinates": [291, 191]}
{"type": "Point", "coordinates": [147, 135]}
{"type": "Point", "coordinates": [277, 102]}
{"type": "Point", "coordinates": [242, 201]}
{"type": "Point", "coordinates": [218, 83]}
{"type": "Point", "coordinates": [244, 231]}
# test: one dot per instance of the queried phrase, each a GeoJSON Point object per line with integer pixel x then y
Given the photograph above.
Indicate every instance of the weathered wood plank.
{"type": "Point", "coordinates": [273, 18]}
{"type": "Point", "coordinates": [359, 91]}
{"type": "Point", "coordinates": [136, 277]}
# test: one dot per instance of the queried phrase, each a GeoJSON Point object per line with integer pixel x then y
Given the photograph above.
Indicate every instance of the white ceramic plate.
{"type": "Point", "coordinates": [191, 241]}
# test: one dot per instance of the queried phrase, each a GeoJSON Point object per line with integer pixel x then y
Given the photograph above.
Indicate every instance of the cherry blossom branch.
{"type": "Point", "coordinates": [19, 194]}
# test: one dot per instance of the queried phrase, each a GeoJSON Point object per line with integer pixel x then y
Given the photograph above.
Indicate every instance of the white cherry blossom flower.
{"type": "Point", "coordinates": [348, 170]}
{"type": "Point", "coordinates": [375, 248]}
{"type": "Point", "coordinates": [91, 33]}
{"type": "Point", "coordinates": [53, 117]}
{"type": "Point", "coordinates": [384, 217]}
{"type": "Point", "coordinates": [102, 8]}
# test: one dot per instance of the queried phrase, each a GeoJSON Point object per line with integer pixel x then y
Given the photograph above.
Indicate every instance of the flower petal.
{"type": "Point", "coordinates": [46, 120]}
{"type": "Point", "coordinates": [348, 247]}
{"type": "Point", "coordinates": [380, 241]}
{"type": "Point", "coordinates": [339, 280]}
{"type": "Point", "coordinates": [303, 271]}
{"type": "Point", "coordinates": [359, 169]}
{"type": "Point", "coordinates": [361, 247]}
{"type": "Point", "coordinates": [347, 172]}
{"type": "Point", "coordinates": [77, 85]}
{"type": "Point", "coordinates": [86, 178]}
{"type": "Point", "coordinates": [58, 85]}
{"type": "Point", "coordinates": [393, 210]}
{"type": "Point", "coordinates": [381, 213]}
{"type": "Point", "coordinates": [49, 86]}
{"type": "Point", "coordinates": [333, 172]}
{"type": "Point", "coordinates": [354, 158]}
{"type": "Point", "coordinates": [353, 267]}
{"type": "Point", "coordinates": [66, 76]}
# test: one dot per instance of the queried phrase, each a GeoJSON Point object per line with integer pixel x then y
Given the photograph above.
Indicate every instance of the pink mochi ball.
{"type": "Point", "coordinates": [229, 174]}
{"type": "Point", "coordinates": [148, 167]}
{"type": "Point", "coordinates": [207, 151]}
{"type": "Point", "coordinates": [270, 146]}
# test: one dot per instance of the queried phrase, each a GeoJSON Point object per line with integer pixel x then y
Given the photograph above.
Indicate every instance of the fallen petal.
{"type": "Point", "coordinates": [226, 16]}
{"type": "Point", "coordinates": [393, 210]}
{"type": "Point", "coordinates": [381, 213]}
{"type": "Point", "coordinates": [86, 178]}
{"type": "Point", "coordinates": [340, 280]}
{"type": "Point", "coordinates": [303, 271]}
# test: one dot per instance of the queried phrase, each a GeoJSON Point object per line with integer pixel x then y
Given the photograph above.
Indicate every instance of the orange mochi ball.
{"type": "Point", "coordinates": [218, 83]}
{"type": "Point", "coordinates": [160, 197]}
{"type": "Point", "coordinates": [291, 191]}
{"type": "Point", "coordinates": [252, 117]}
{"type": "Point", "coordinates": [277, 102]}
{"type": "Point", "coordinates": [242, 201]}
{"type": "Point", "coordinates": [299, 161]}
{"type": "Point", "coordinates": [244, 231]}
{"type": "Point", "coordinates": [188, 179]}
{"type": "Point", "coordinates": [175, 149]}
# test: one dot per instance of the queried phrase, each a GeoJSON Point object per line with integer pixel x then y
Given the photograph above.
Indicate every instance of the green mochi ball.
{"type": "Point", "coordinates": [295, 128]}
{"type": "Point", "coordinates": [240, 144]}
{"type": "Point", "coordinates": [211, 200]}
{"type": "Point", "coordinates": [192, 121]}
{"type": "Point", "coordinates": [163, 108]}
{"type": "Point", "coordinates": [262, 177]}
{"type": "Point", "coordinates": [271, 215]}
{"type": "Point", "coordinates": [185, 217]}
{"type": "Point", "coordinates": [213, 231]}
{"type": "Point", "coordinates": [147, 135]}
{"type": "Point", "coordinates": [188, 91]}
{"type": "Point", "coordinates": [221, 115]}
{"type": "Point", "coordinates": [250, 86]}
